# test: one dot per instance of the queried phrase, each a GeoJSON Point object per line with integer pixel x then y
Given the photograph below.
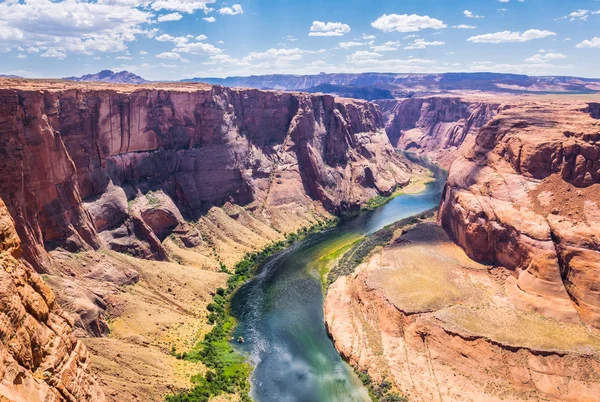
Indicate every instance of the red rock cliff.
{"type": "Point", "coordinates": [40, 359]}
{"type": "Point", "coordinates": [72, 158]}
{"type": "Point", "coordinates": [526, 196]}
{"type": "Point", "coordinates": [435, 127]}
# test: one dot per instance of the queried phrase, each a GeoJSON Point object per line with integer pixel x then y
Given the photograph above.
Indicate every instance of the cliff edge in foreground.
{"type": "Point", "coordinates": [40, 358]}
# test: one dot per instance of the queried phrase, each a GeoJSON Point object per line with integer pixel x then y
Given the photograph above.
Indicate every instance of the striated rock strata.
{"type": "Point", "coordinates": [74, 158]}
{"type": "Point", "coordinates": [526, 196]}
{"type": "Point", "coordinates": [40, 358]}
{"type": "Point", "coordinates": [437, 326]}
{"type": "Point", "coordinates": [436, 127]}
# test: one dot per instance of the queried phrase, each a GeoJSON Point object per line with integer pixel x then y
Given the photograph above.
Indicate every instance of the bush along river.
{"type": "Point", "coordinates": [276, 296]}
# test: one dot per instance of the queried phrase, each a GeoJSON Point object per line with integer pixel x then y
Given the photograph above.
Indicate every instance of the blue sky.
{"type": "Point", "coordinates": [174, 39]}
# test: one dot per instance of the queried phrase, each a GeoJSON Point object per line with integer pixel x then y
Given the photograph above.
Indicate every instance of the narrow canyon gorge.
{"type": "Point", "coordinates": [123, 209]}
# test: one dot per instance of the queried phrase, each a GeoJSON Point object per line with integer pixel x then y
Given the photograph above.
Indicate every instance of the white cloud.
{"type": "Point", "coordinates": [388, 46]}
{"type": "Point", "coordinates": [209, 19]}
{"type": "Point", "coordinates": [319, 28]}
{"type": "Point", "coordinates": [368, 37]}
{"type": "Point", "coordinates": [464, 26]}
{"type": "Point", "coordinates": [170, 17]}
{"type": "Point", "coordinates": [544, 57]}
{"type": "Point", "coordinates": [143, 52]}
{"type": "Point", "coordinates": [169, 56]}
{"type": "Point", "coordinates": [406, 23]}
{"type": "Point", "coordinates": [123, 58]}
{"type": "Point", "coordinates": [275, 55]}
{"type": "Point", "coordinates": [233, 10]}
{"type": "Point", "coordinates": [422, 44]}
{"type": "Point", "coordinates": [509, 36]}
{"type": "Point", "coordinates": [71, 26]}
{"type": "Point", "coordinates": [197, 48]}
{"type": "Point", "coordinates": [469, 14]}
{"type": "Point", "coordinates": [9, 33]}
{"type": "Point", "coordinates": [21, 56]}
{"type": "Point", "coordinates": [55, 54]}
{"type": "Point", "coordinates": [589, 43]}
{"type": "Point", "coordinates": [183, 6]}
{"type": "Point", "coordinates": [503, 1]}
{"type": "Point", "coordinates": [363, 55]}
{"type": "Point", "coordinates": [348, 45]}
{"type": "Point", "coordinates": [580, 14]}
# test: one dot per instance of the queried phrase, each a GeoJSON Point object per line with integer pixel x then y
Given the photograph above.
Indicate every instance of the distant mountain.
{"type": "Point", "coordinates": [421, 84]}
{"type": "Point", "coordinates": [122, 77]}
{"type": "Point", "coordinates": [9, 76]}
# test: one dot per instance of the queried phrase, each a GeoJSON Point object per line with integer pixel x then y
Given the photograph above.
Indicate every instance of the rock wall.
{"type": "Point", "coordinates": [40, 359]}
{"type": "Point", "coordinates": [437, 326]}
{"type": "Point", "coordinates": [435, 127]}
{"type": "Point", "coordinates": [74, 160]}
{"type": "Point", "coordinates": [526, 197]}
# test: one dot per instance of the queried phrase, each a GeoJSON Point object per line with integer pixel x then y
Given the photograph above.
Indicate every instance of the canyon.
{"type": "Point", "coordinates": [125, 206]}
{"type": "Point", "coordinates": [498, 299]}
{"type": "Point", "coordinates": [133, 202]}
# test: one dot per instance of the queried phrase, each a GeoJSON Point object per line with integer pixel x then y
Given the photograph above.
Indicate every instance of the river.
{"type": "Point", "coordinates": [280, 311]}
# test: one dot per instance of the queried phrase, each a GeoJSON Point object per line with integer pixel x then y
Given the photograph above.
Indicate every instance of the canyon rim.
{"type": "Point", "coordinates": [299, 201]}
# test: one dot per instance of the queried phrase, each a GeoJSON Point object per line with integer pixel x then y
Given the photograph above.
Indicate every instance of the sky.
{"type": "Point", "coordinates": [176, 39]}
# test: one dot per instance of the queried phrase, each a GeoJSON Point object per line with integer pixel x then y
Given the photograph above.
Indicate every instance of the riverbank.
{"type": "Point", "coordinates": [227, 370]}
{"type": "Point", "coordinates": [415, 313]}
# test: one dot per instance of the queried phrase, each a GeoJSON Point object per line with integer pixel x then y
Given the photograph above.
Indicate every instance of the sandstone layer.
{"type": "Point", "coordinates": [526, 197]}
{"type": "Point", "coordinates": [74, 156]}
{"type": "Point", "coordinates": [437, 326]}
{"type": "Point", "coordinates": [190, 177]}
{"type": "Point", "coordinates": [40, 358]}
{"type": "Point", "coordinates": [436, 127]}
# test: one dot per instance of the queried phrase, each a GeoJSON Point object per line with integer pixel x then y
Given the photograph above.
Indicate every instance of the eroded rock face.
{"type": "Point", "coordinates": [75, 160]}
{"type": "Point", "coordinates": [40, 359]}
{"type": "Point", "coordinates": [437, 326]}
{"type": "Point", "coordinates": [526, 196]}
{"type": "Point", "coordinates": [435, 127]}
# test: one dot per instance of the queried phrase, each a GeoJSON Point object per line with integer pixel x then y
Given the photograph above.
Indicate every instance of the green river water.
{"type": "Point", "coordinates": [280, 311]}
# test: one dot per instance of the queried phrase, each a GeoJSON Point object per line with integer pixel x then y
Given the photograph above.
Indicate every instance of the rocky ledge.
{"type": "Point", "coordinates": [437, 326]}
{"type": "Point", "coordinates": [40, 358]}
{"type": "Point", "coordinates": [525, 197]}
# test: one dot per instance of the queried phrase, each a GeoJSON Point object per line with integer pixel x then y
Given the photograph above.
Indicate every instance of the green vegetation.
{"type": "Point", "coordinates": [381, 392]}
{"type": "Point", "coordinates": [228, 371]}
{"type": "Point", "coordinates": [360, 250]}
{"type": "Point", "coordinates": [152, 198]}
{"type": "Point", "coordinates": [377, 201]}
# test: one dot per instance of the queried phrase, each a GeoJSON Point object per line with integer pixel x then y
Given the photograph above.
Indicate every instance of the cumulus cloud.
{"type": "Point", "coordinates": [209, 19]}
{"type": "Point", "coordinates": [71, 26]}
{"type": "Point", "coordinates": [319, 28]}
{"type": "Point", "coordinates": [545, 57]}
{"type": "Point", "coordinates": [275, 55]}
{"type": "Point", "coordinates": [363, 55]}
{"type": "Point", "coordinates": [406, 23]}
{"type": "Point", "coordinates": [388, 46]}
{"type": "Point", "coordinates": [510, 36]}
{"type": "Point", "coordinates": [170, 17]}
{"type": "Point", "coordinates": [580, 14]}
{"type": "Point", "coordinates": [348, 45]}
{"type": "Point", "coordinates": [422, 44]}
{"type": "Point", "coordinates": [55, 54]}
{"type": "Point", "coordinates": [464, 26]}
{"type": "Point", "coordinates": [589, 43]}
{"type": "Point", "coordinates": [183, 6]}
{"type": "Point", "coordinates": [233, 10]}
{"type": "Point", "coordinates": [169, 56]}
{"type": "Point", "coordinates": [469, 14]}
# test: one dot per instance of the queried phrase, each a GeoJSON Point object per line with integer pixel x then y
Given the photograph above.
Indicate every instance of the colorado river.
{"type": "Point", "coordinates": [280, 311]}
